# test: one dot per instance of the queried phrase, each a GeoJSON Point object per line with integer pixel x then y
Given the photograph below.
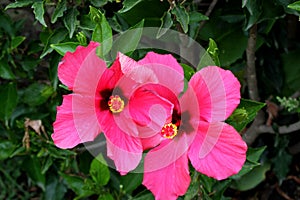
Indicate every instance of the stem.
{"type": "Point", "coordinates": [252, 133]}
{"type": "Point", "coordinates": [251, 69]}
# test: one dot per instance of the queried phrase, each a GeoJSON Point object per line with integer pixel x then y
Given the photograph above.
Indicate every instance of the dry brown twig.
{"type": "Point", "coordinates": [35, 125]}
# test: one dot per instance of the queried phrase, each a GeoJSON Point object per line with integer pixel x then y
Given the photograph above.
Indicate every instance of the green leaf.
{"type": "Point", "coordinates": [295, 5]}
{"type": "Point", "coordinates": [99, 170]}
{"type": "Point", "coordinates": [106, 196]}
{"type": "Point", "coordinates": [182, 17]}
{"type": "Point", "coordinates": [99, 3]}
{"type": "Point", "coordinates": [129, 40]}
{"type": "Point", "coordinates": [102, 32]}
{"type": "Point", "coordinates": [128, 4]}
{"type": "Point", "coordinates": [282, 163]}
{"type": "Point", "coordinates": [147, 196]}
{"type": "Point", "coordinates": [33, 168]}
{"type": "Point", "coordinates": [247, 167]}
{"type": "Point", "coordinates": [56, 37]}
{"type": "Point", "coordinates": [5, 71]}
{"type": "Point", "coordinates": [131, 181]}
{"type": "Point", "coordinates": [47, 164]}
{"type": "Point", "coordinates": [19, 4]}
{"type": "Point", "coordinates": [38, 10]}
{"type": "Point", "coordinates": [251, 108]}
{"type": "Point", "coordinates": [8, 100]}
{"type": "Point", "coordinates": [253, 154]}
{"type": "Point", "coordinates": [63, 48]}
{"type": "Point", "coordinates": [16, 41]}
{"type": "Point", "coordinates": [70, 21]}
{"type": "Point", "coordinates": [196, 17]}
{"type": "Point", "coordinates": [7, 148]}
{"type": "Point", "coordinates": [55, 189]}
{"type": "Point", "coordinates": [60, 8]}
{"type": "Point", "coordinates": [166, 24]}
{"type": "Point", "coordinates": [76, 184]}
{"type": "Point", "coordinates": [291, 73]}
{"type": "Point", "coordinates": [205, 60]}
{"type": "Point", "coordinates": [251, 179]}
{"type": "Point", "coordinates": [37, 94]}
{"type": "Point", "coordinates": [188, 71]}
{"type": "Point", "coordinates": [229, 52]}
{"type": "Point", "coordinates": [213, 51]}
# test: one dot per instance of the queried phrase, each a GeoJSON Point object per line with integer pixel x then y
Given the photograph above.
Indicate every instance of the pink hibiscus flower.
{"type": "Point", "coordinates": [108, 100]}
{"type": "Point", "coordinates": [196, 132]}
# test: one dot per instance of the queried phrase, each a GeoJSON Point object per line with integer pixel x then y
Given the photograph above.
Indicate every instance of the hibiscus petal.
{"type": "Point", "coordinates": [166, 69]}
{"type": "Point", "coordinates": [218, 93]}
{"type": "Point", "coordinates": [136, 72]}
{"type": "Point", "coordinates": [218, 150]}
{"type": "Point", "coordinates": [76, 122]}
{"type": "Point", "coordinates": [148, 106]}
{"type": "Point", "coordinates": [123, 145]}
{"type": "Point", "coordinates": [168, 182]}
{"type": "Point", "coordinates": [72, 62]}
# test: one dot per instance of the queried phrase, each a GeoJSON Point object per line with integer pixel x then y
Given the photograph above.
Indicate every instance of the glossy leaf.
{"type": "Point", "coordinates": [16, 41]}
{"type": "Point", "coordinates": [55, 189]}
{"type": "Point", "coordinates": [99, 170]}
{"type": "Point", "coordinates": [295, 5]}
{"type": "Point", "coordinates": [63, 48]}
{"type": "Point", "coordinates": [106, 196]}
{"type": "Point", "coordinates": [197, 17]}
{"type": "Point", "coordinates": [291, 73]}
{"type": "Point", "coordinates": [128, 4]}
{"type": "Point", "coordinates": [39, 11]}
{"type": "Point", "coordinates": [6, 148]}
{"type": "Point", "coordinates": [5, 70]}
{"type": "Point", "coordinates": [32, 166]}
{"type": "Point", "coordinates": [19, 4]}
{"type": "Point", "coordinates": [250, 108]}
{"type": "Point", "coordinates": [253, 154]}
{"type": "Point", "coordinates": [251, 179]}
{"type": "Point", "coordinates": [131, 181]}
{"type": "Point", "coordinates": [98, 3]}
{"type": "Point", "coordinates": [228, 52]}
{"type": "Point", "coordinates": [147, 196]}
{"type": "Point", "coordinates": [129, 40]}
{"type": "Point", "coordinates": [60, 8]}
{"type": "Point", "coordinates": [213, 51]}
{"type": "Point", "coordinates": [70, 21]}
{"type": "Point", "coordinates": [205, 60]}
{"type": "Point", "coordinates": [166, 23]}
{"type": "Point", "coordinates": [56, 37]}
{"type": "Point", "coordinates": [76, 184]}
{"type": "Point", "coordinates": [102, 32]}
{"type": "Point", "coordinates": [37, 94]}
{"type": "Point", "coordinates": [8, 100]}
{"type": "Point", "coordinates": [182, 17]}
{"type": "Point", "coordinates": [188, 71]}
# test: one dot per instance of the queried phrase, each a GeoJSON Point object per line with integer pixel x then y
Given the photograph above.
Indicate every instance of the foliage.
{"type": "Point", "coordinates": [35, 34]}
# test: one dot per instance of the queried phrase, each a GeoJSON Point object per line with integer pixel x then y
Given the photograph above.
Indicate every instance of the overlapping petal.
{"type": "Point", "coordinates": [123, 143]}
{"type": "Point", "coordinates": [167, 70]}
{"type": "Point", "coordinates": [71, 63]}
{"type": "Point", "coordinates": [170, 181]}
{"type": "Point", "coordinates": [75, 122]}
{"type": "Point", "coordinates": [218, 93]}
{"type": "Point", "coordinates": [81, 72]}
{"type": "Point", "coordinates": [218, 150]}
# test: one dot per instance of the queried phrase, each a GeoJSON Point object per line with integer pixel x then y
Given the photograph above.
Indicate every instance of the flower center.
{"type": "Point", "coordinates": [115, 103]}
{"type": "Point", "coordinates": [169, 131]}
